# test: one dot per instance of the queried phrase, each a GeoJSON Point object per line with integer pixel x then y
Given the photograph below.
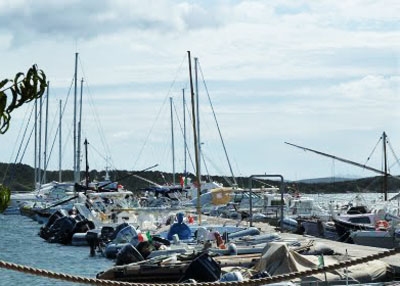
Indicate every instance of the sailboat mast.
{"type": "Point", "coordinates": [184, 133]}
{"type": "Point", "coordinates": [172, 143]}
{"type": "Point", "coordinates": [197, 114]}
{"type": "Point", "coordinates": [59, 144]}
{"type": "Point", "coordinates": [87, 166]}
{"type": "Point", "coordinates": [35, 147]}
{"type": "Point", "coordinates": [45, 133]}
{"type": "Point", "coordinates": [78, 144]}
{"type": "Point", "coordinates": [196, 143]}
{"type": "Point", "coordinates": [40, 142]}
{"type": "Point", "coordinates": [76, 175]}
{"type": "Point", "coordinates": [385, 176]}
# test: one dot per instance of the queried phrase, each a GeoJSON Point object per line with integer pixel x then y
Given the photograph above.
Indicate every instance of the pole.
{"type": "Point", "coordinates": [35, 145]}
{"type": "Point", "coordinates": [385, 176]}
{"type": "Point", "coordinates": [87, 166]}
{"type": "Point", "coordinates": [76, 179]}
{"type": "Point", "coordinates": [184, 133]}
{"type": "Point", "coordinates": [197, 113]}
{"type": "Point", "coordinates": [78, 143]}
{"type": "Point", "coordinates": [40, 143]}
{"type": "Point", "coordinates": [59, 144]}
{"type": "Point", "coordinates": [45, 133]}
{"type": "Point", "coordinates": [172, 143]}
{"type": "Point", "coordinates": [196, 143]}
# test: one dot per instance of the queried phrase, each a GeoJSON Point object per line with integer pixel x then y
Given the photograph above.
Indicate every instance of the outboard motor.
{"type": "Point", "coordinates": [45, 230]}
{"type": "Point", "coordinates": [128, 254]}
{"type": "Point", "coordinates": [62, 230]}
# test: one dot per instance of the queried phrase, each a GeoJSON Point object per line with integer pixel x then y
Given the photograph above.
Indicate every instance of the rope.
{"type": "Point", "coordinates": [252, 282]}
{"type": "Point", "coordinates": [60, 276]}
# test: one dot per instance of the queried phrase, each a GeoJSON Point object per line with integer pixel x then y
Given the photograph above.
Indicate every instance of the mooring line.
{"type": "Point", "coordinates": [252, 282]}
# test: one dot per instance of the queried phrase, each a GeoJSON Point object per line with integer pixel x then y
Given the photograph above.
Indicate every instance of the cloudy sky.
{"type": "Point", "coordinates": [319, 74]}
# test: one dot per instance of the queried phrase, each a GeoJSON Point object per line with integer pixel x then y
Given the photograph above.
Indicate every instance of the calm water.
{"type": "Point", "coordinates": [19, 243]}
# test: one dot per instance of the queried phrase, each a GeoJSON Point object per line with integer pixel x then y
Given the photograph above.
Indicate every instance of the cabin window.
{"type": "Point", "coordinates": [364, 220]}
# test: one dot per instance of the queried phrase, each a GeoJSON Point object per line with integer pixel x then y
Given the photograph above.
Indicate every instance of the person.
{"type": "Point", "coordinates": [180, 228]}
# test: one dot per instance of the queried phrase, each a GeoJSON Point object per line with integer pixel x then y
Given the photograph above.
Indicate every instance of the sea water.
{"type": "Point", "coordinates": [21, 244]}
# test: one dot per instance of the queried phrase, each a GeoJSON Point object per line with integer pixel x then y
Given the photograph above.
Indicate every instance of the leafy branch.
{"type": "Point", "coordinates": [23, 89]}
{"type": "Point", "coordinates": [5, 195]}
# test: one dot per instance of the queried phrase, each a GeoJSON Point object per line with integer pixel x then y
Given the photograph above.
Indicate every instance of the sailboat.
{"type": "Point", "coordinates": [367, 219]}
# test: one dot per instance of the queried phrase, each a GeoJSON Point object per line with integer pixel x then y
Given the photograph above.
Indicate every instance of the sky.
{"type": "Point", "coordinates": [319, 74]}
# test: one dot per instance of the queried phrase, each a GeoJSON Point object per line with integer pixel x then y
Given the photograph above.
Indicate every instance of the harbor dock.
{"type": "Point", "coordinates": [353, 251]}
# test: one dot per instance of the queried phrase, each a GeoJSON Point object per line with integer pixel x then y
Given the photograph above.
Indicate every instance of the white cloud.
{"type": "Point", "coordinates": [305, 71]}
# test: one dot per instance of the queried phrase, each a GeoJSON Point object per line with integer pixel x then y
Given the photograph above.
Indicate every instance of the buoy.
{"type": "Point", "coordinates": [381, 225]}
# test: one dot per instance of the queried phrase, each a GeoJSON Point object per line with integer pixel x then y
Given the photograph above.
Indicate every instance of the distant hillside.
{"type": "Point", "coordinates": [326, 180]}
{"type": "Point", "coordinates": [20, 177]}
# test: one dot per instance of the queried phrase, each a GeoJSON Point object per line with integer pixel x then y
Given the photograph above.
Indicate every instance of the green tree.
{"type": "Point", "coordinates": [22, 89]}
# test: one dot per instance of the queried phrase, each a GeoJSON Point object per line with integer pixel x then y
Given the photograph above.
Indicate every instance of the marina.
{"type": "Point", "coordinates": [131, 173]}
{"type": "Point", "coordinates": [94, 265]}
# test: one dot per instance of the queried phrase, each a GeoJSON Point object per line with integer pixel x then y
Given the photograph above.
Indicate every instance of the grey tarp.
{"type": "Point", "coordinates": [277, 258]}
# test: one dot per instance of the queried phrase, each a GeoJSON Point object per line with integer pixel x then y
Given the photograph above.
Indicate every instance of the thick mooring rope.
{"type": "Point", "coordinates": [252, 282]}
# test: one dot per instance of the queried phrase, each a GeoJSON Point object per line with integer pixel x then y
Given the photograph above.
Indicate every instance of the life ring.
{"type": "Point", "coordinates": [381, 225]}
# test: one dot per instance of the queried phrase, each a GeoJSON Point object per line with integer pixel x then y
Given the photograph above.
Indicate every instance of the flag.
{"type": "Point", "coordinates": [149, 238]}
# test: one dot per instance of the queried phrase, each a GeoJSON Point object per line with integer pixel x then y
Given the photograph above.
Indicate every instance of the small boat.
{"type": "Point", "coordinates": [388, 238]}
{"type": "Point", "coordinates": [166, 269]}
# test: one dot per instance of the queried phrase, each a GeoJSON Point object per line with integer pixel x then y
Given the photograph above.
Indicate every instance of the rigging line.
{"type": "Point", "coordinates": [216, 121]}
{"type": "Point", "coordinates": [96, 115]}
{"type": "Point", "coordinates": [58, 125]}
{"type": "Point", "coordinates": [24, 134]}
{"type": "Point", "coordinates": [20, 130]}
{"type": "Point", "coordinates": [98, 153]}
{"type": "Point", "coordinates": [394, 155]}
{"type": "Point", "coordinates": [21, 143]}
{"type": "Point", "coordinates": [99, 126]}
{"type": "Point", "coordinates": [219, 170]}
{"type": "Point", "coordinates": [150, 131]}
{"type": "Point", "coordinates": [27, 143]}
{"type": "Point", "coordinates": [373, 150]}
{"type": "Point", "coordinates": [181, 129]}
{"type": "Point", "coordinates": [97, 120]}
{"type": "Point", "coordinates": [158, 114]}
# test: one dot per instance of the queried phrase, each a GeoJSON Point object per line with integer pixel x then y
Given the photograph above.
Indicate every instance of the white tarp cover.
{"type": "Point", "coordinates": [277, 259]}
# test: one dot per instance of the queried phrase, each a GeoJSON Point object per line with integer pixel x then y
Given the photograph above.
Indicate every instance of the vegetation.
{"type": "Point", "coordinates": [19, 178]}
{"type": "Point", "coordinates": [23, 88]}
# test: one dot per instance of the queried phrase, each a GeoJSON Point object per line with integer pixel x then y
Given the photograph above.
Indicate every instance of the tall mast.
{"type": "Point", "coordinates": [59, 144]}
{"type": "Point", "coordinates": [78, 143]}
{"type": "Point", "coordinates": [385, 176]}
{"type": "Point", "coordinates": [197, 114]}
{"type": "Point", "coordinates": [196, 143]}
{"type": "Point", "coordinates": [172, 142]}
{"type": "Point", "coordinates": [76, 175]}
{"type": "Point", "coordinates": [45, 134]}
{"type": "Point", "coordinates": [87, 166]}
{"type": "Point", "coordinates": [35, 151]}
{"type": "Point", "coordinates": [184, 134]}
{"type": "Point", "coordinates": [40, 143]}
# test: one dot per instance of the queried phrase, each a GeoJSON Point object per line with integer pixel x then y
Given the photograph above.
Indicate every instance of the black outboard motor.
{"type": "Point", "coordinates": [202, 269]}
{"type": "Point", "coordinates": [128, 254]}
{"type": "Point", "coordinates": [95, 238]}
{"type": "Point", "coordinates": [44, 231]}
{"type": "Point", "coordinates": [62, 230]}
